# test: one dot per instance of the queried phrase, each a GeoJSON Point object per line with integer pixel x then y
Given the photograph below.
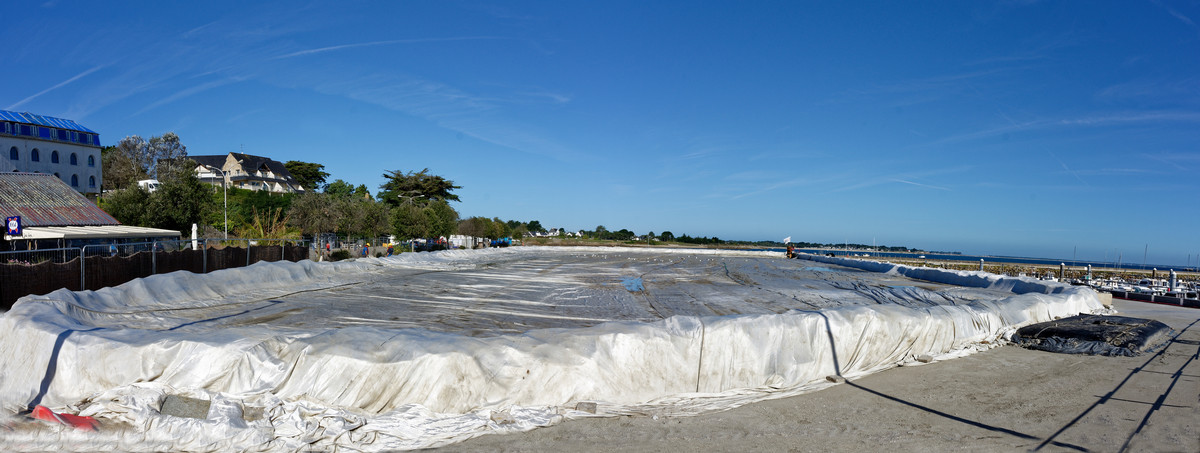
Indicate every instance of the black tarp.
{"type": "Point", "coordinates": [1095, 335]}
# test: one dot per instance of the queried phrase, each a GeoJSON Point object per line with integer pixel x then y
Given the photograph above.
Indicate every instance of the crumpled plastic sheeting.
{"type": "Point", "coordinates": [373, 389]}
{"type": "Point", "coordinates": [975, 279]}
{"type": "Point", "coordinates": [1095, 335]}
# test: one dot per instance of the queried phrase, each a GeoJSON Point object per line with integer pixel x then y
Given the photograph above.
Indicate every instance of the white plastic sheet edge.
{"type": "Point", "coordinates": [468, 386]}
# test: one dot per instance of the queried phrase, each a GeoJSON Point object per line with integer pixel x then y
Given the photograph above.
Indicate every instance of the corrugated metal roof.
{"type": "Point", "coordinates": [41, 199]}
{"type": "Point", "coordinates": [30, 118]}
{"type": "Point", "coordinates": [92, 232]}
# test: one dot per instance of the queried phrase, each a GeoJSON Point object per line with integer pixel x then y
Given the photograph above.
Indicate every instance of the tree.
{"type": "Point", "coordinates": [129, 205]}
{"type": "Point", "coordinates": [135, 158]}
{"type": "Point", "coordinates": [122, 164]}
{"type": "Point", "coordinates": [349, 215]}
{"type": "Point", "coordinates": [667, 236]}
{"type": "Point", "coordinates": [498, 229]}
{"type": "Point", "coordinates": [442, 218]}
{"type": "Point", "coordinates": [535, 226]}
{"type": "Point", "coordinates": [168, 152]}
{"type": "Point", "coordinates": [474, 226]}
{"type": "Point", "coordinates": [362, 192]}
{"type": "Point", "coordinates": [313, 213]}
{"type": "Point", "coordinates": [339, 188]}
{"type": "Point", "coordinates": [375, 217]}
{"type": "Point", "coordinates": [244, 204]}
{"type": "Point", "coordinates": [180, 202]}
{"type": "Point", "coordinates": [420, 187]}
{"type": "Point", "coordinates": [409, 221]}
{"type": "Point", "coordinates": [520, 231]}
{"type": "Point", "coordinates": [310, 176]}
{"type": "Point", "coordinates": [272, 224]}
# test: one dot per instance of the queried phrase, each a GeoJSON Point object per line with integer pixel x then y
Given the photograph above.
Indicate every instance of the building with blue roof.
{"type": "Point", "coordinates": [44, 144]}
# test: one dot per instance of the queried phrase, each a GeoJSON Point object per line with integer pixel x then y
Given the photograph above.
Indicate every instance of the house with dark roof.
{"type": "Point", "coordinates": [60, 147]}
{"type": "Point", "coordinates": [53, 215]}
{"type": "Point", "coordinates": [246, 172]}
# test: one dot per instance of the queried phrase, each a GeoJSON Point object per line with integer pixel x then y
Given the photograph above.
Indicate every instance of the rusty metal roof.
{"type": "Point", "coordinates": [41, 199]}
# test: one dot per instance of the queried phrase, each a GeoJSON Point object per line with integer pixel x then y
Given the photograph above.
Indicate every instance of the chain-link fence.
{"type": "Point", "coordinates": [93, 267]}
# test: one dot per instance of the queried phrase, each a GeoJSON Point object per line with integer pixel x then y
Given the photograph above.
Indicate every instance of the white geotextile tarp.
{"type": "Point", "coordinates": [368, 388]}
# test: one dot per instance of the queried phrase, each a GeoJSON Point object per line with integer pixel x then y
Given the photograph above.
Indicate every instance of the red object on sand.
{"type": "Point", "coordinates": [85, 423]}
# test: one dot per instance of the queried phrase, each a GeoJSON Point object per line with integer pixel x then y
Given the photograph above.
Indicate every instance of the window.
{"type": "Point", "coordinates": [35, 155]}
{"type": "Point", "coordinates": [91, 161]}
{"type": "Point", "coordinates": [26, 129]}
{"type": "Point", "coordinates": [62, 135]}
{"type": "Point", "coordinates": [74, 160]}
{"type": "Point", "coordinates": [92, 182]}
{"type": "Point", "coordinates": [13, 154]}
{"type": "Point", "coordinates": [54, 157]}
{"type": "Point", "coordinates": [44, 132]}
{"type": "Point", "coordinates": [74, 180]}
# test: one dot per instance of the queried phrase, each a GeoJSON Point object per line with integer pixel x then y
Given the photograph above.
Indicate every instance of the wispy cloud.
{"type": "Point", "coordinates": [1160, 89]}
{"type": "Point", "coordinates": [793, 182]}
{"type": "Point", "coordinates": [243, 115]}
{"type": "Point", "coordinates": [55, 87]}
{"type": "Point", "coordinates": [477, 116]}
{"type": "Point", "coordinates": [1114, 171]}
{"type": "Point", "coordinates": [1087, 121]}
{"type": "Point", "coordinates": [383, 43]}
{"type": "Point", "coordinates": [1178, 15]}
{"type": "Point", "coordinates": [1173, 159]}
{"type": "Point", "coordinates": [185, 93]}
{"type": "Point", "coordinates": [927, 186]}
{"type": "Point", "coordinates": [1069, 170]}
{"type": "Point", "coordinates": [920, 90]}
{"type": "Point", "coordinates": [552, 97]}
{"type": "Point", "coordinates": [865, 181]}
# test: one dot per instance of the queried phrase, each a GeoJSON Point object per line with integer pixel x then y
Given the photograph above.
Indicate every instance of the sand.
{"type": "Point", "coordinates": [1003, 399]}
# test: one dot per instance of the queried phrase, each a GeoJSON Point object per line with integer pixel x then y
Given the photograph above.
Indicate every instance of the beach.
{"type": "Point", "coordinates": [1002, 399]}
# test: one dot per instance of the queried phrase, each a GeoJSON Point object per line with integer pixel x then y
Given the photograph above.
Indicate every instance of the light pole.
{"type": "Point", "coordinates": [226, 199]}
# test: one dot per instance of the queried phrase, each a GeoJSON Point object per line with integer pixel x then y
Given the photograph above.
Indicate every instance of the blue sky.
{"type": "Point", "coordinates": [1013, 128]}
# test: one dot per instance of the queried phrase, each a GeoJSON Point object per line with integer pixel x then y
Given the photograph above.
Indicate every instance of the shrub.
{"type": "Point", "coordinates": [339, 255]}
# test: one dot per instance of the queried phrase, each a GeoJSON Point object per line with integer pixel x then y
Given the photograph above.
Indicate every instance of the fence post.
{"type": "Point", "coordinates": [204, 254]}
{"type": "Point", "coordinates": [82, 268]}
{"type": "Point", "coordinates": [247, 252]}
{"type": "Point", "coordinates": [153, 257]}
{"type": "Point", "coordinates": [282, 250]}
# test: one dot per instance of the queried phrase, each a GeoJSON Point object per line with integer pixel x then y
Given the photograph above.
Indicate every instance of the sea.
{"type": "Point", "coordinates": [994, 259]}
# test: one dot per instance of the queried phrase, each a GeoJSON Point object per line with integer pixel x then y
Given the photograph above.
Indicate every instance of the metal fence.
{"type": "Point", "coordinates": [93, 267]}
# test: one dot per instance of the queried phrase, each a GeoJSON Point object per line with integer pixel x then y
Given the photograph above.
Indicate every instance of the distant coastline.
{"type": "Point", "coordinates": [955, 257]}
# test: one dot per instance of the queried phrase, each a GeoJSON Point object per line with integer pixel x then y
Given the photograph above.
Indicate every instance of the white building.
{"type": "Point", "coordinates": [43, 144]}
{"type": "Point", "coordinates": [246, 172]}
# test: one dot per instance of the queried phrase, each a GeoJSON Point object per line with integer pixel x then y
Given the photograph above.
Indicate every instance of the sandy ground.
{"type": "Point", "coordinates": [1004, 399]}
